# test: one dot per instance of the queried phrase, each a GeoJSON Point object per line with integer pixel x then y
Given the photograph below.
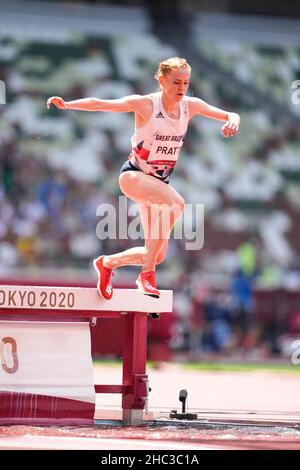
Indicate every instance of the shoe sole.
{"type": "Point", "coordinates": [98, 274]}
{"type": "Point", "coordinates": [140, 288]}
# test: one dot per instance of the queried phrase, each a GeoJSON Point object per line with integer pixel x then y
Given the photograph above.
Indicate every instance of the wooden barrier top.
{"type": "Point", "coordinates": [84, 299]}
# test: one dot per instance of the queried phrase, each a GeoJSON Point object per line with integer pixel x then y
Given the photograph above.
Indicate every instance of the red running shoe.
{"type": "Point", "coordinates": [147, 285]}
{"type": "Point", "coordinates": [104, 286]}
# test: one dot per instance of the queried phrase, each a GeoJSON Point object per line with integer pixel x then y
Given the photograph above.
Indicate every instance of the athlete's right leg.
{"type": "Point", "coordinates": [164, 206]}
{"type": "Point", "coordinates": [146, 281]}
{"type": "Point", "coordinates": [161, 219]}
{"type": "Point", "coordinates": [150, 230]}
{"type": "Point", "coordinates": [137, 256]}
{"type": "Point", "coordinates": [150, 192]}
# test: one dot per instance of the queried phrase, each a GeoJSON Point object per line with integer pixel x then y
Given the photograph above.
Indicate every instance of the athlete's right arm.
{"type": "Point", "coordinates": [132, 103]}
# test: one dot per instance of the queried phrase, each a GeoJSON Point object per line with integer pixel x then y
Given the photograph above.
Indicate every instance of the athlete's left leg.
{"type": "Point", "coordinates": [136, 256]}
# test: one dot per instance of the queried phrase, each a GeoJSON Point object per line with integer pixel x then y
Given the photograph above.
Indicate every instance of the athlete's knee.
{"type": "Point", "coordinates": [181, 204]}
{"type": "Point", "coordinates": [161, 257]}
{"type": "Point", "coordinates": [178, 206]}
{"type": "Point", "coordinates": [126, 180]}
{"type": "Point", "coordinates": [175, 204]}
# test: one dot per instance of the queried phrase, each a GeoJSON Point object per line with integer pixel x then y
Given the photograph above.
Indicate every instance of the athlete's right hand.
{"type": "Point", "coordinates": [57, 101]}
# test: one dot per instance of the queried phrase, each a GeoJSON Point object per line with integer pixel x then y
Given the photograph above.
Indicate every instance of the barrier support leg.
{"type": "Point", "coordinates": [135, 380]}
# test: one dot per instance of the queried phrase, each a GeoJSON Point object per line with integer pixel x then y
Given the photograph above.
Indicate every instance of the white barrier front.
{"type": "Point", "coordinates": [46, 372]}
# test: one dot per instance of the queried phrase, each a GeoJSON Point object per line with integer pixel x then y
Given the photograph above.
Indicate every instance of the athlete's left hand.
{"type": "Point", "coordinates": [231, 127]}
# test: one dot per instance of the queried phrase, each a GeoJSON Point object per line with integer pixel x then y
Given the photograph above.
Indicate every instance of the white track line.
{"type": "Point", "coordinates": [84, 443]}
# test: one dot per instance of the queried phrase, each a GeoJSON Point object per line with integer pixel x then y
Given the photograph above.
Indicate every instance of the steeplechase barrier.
{"type": "Point", "coordinates": [46, 369]}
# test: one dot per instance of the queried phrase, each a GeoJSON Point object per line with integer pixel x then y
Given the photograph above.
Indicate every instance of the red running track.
{"type": "Point", "coordinates": [236, 410]}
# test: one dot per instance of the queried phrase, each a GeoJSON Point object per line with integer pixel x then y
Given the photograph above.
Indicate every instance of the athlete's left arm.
{"type": "Point", "coordinates": [232, 120]}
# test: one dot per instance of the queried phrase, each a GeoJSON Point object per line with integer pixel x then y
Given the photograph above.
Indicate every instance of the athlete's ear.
{"type": "Point", "coordinates": [161, 81]}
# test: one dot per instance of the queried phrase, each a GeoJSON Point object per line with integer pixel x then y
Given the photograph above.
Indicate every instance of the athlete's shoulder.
{"type": "Point", "coordinates": [196, 105]}
{"type": "Point", "coordinates": [192, 99]}
{"type": "Point", "coordinates": [144, 99]}
{"type": "Point", "coordinates": [144, 108]}
{"type": "Point", "coordinates": [147, 103]}
{"type": "Point", "coordinates": [149, 97]}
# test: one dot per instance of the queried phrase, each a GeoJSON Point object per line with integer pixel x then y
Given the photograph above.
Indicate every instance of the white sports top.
{"type": "Point", "coordinates": [156, 145]}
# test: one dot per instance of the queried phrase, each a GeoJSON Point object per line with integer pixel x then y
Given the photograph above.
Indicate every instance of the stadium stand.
{"type": "Point", "coordinates": [57, 167]}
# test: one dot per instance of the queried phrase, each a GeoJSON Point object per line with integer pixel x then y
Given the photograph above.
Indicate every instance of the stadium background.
{"type": "Point", "coordinates": [238, 296]}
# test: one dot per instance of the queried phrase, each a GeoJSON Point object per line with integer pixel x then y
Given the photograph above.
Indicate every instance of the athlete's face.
{"type": "Point", "coordinates": [175, 84]}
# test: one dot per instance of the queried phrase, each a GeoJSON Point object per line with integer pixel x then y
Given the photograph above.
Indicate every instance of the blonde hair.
{"type": "Point", "coordinates": [166, 66]}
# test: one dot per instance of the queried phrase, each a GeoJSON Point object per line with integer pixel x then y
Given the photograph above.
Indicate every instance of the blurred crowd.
{"type": "Point", "coordinates": [58, 167]}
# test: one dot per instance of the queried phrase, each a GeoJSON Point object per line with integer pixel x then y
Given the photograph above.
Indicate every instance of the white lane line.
{"type": "Point", "coordinates": [84, 443]}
